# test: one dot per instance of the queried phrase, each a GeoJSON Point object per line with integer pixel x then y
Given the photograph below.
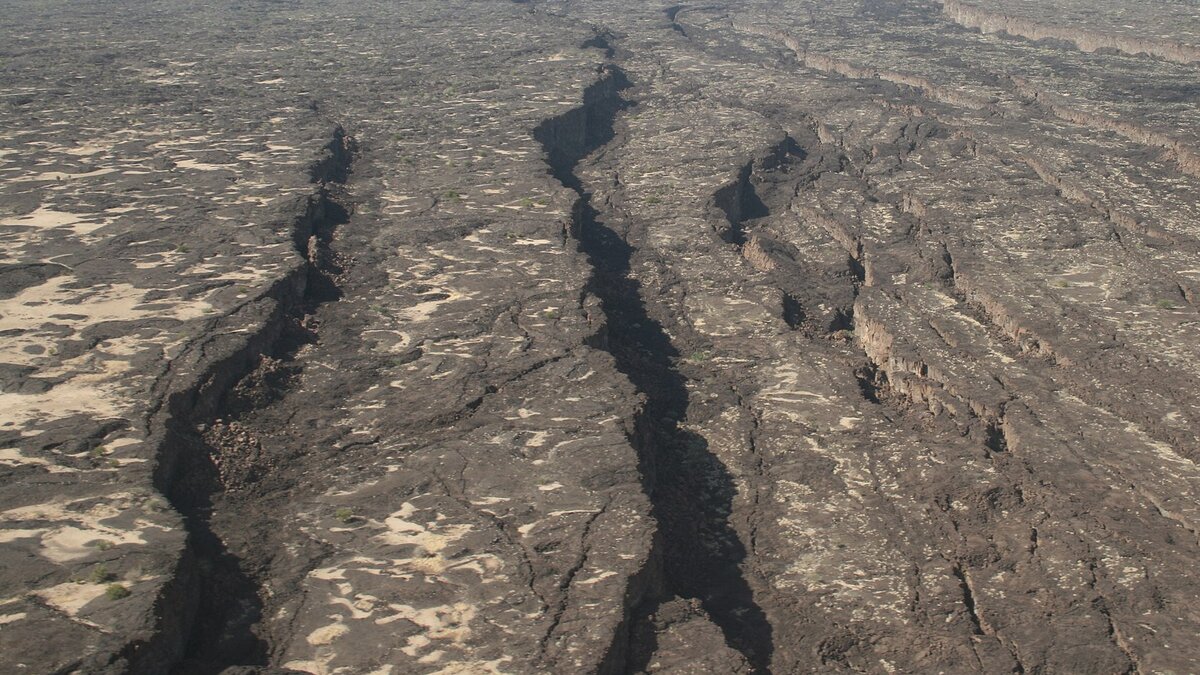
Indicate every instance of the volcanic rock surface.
{"type": "Point", "coordinates": [599, 336]}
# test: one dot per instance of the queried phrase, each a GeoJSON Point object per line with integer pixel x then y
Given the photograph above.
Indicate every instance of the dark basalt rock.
{"type": "Point", "coordinates": [542, 337]}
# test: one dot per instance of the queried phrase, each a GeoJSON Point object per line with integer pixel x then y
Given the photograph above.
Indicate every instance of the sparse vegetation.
{"type": "Point", "coordinates": [1165, 304]}
{"type": "Point", "coordinates": [344, 514]}
{"type": "Point", "coordinates": [116, 592]}
{"type": "Point", "coordinates": [530, 202]}
{"type": "Point", "coordinates": [452, 196]}
{"type": "Point", "coordinates": [100, 574]}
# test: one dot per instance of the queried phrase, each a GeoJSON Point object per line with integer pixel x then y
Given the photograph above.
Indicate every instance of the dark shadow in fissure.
{"type": "Point", "coordinates": [229, 603]}
{"type": "Point", "coordinates": [690, 490]}
{"type": "Point", "coordinates": [672, 13]}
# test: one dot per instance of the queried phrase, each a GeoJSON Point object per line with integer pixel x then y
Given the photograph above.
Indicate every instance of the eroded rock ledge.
{"type": "Point", "coordinates": [971, 15]}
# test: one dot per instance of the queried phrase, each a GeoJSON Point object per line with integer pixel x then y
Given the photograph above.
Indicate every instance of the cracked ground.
{"type": "Point", "coordinates": [599, 336]}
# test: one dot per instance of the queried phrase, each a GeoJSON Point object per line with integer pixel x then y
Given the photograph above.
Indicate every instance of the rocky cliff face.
{"type": "Point", "coordinates": [1088, 40]}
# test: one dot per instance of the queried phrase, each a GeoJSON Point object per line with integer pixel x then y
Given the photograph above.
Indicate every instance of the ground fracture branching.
{"type": "Point", "coordinates": [690, 490]}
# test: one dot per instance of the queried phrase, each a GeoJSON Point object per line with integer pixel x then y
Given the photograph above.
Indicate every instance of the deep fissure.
{"type": "Point", "coordinates": [691, 492]}
{"type": "Point", "coordinates": [225, 598]}
{"type": "Point", "coordinates": [816, 300]}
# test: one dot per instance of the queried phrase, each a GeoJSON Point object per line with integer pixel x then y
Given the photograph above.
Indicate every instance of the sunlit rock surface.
{"type": "Point", "coordinates": [599, 336]}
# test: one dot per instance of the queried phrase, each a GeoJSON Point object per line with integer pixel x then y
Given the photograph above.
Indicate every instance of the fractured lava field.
{"type": "Point", "coordinates": [599, 336]}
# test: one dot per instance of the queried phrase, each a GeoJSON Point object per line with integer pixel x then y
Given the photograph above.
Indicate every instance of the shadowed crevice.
{"type": "Point", "coordinates": [691, 491]}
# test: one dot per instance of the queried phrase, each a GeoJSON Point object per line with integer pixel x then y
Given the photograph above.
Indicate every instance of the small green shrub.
{"type": "Point", "coordinates": [116, 592]}
{"type": "Point", "coordinates": [1164, 304]}
{"type": "Point", "coordinates": [100, 574]}
{"type": "Point", "coordinates": [344, 514]}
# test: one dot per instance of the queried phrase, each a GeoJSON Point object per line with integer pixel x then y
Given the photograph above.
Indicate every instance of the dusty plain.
{"type": "Point", "coordinates": [599, 336]}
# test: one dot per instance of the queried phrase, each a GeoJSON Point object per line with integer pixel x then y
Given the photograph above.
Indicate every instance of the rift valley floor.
{"type": "Point", "coordinates": [599, 336]}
